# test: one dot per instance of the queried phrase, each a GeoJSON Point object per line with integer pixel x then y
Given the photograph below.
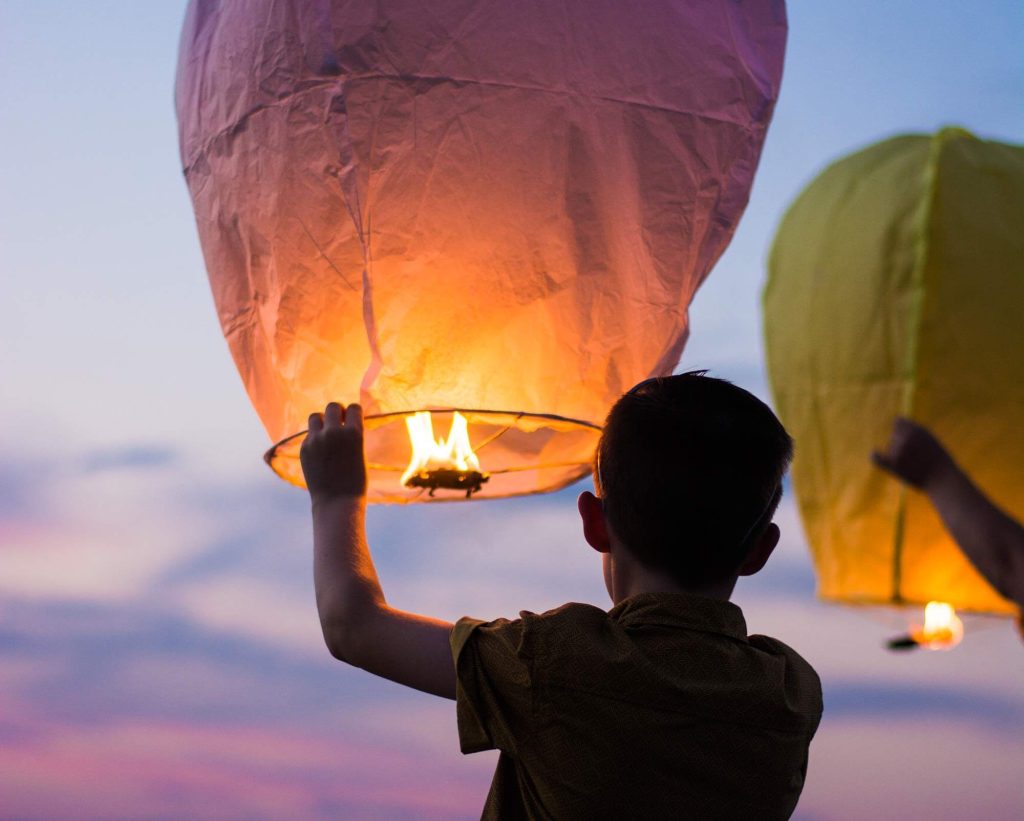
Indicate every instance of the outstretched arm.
{"type": "Point", "coordinates": [991, 539]}
{"type": "Point", "coordinates": [358, 624]}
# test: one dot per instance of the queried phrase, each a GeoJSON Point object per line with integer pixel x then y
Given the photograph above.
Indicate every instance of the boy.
{"type": "Point", "coordinates": [662, 707]}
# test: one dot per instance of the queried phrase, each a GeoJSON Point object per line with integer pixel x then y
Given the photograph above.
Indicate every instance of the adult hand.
{"type": "Point", "coordinates": [913, 454]}
{"type": "Point", "coordinates": [332, 454]}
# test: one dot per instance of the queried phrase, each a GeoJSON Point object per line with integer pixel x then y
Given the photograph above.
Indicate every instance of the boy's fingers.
{"type": "Point", "coordinates": [906, 426]}
{"type": "Point", "coordinates": [316, 422]}
{"type": "Point", "coordinates": [880, 460]}
{"type": "Point", "coordinates": [885, 463]}
{"type": "Point", "coordinates": [354, 416]}
{"type": "Point", "coordinates": [333, 415]}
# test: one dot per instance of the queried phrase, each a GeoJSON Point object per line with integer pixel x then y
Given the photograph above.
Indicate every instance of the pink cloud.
{"type": "Point", "coordinates": [174, 769]}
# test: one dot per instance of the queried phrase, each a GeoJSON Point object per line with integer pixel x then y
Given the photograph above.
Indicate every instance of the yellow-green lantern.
{"type": "Point", "coordinates": [896, 287]}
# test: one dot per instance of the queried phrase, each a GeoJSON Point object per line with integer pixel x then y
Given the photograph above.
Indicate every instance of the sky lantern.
{"type": "Point", "coordinates": [896, 285]}
{"type": "Point", "coordinates": [482, 219]}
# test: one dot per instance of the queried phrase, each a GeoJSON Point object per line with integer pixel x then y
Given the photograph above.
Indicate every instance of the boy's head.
{"type": "Point", "coordinates": [689, 469]}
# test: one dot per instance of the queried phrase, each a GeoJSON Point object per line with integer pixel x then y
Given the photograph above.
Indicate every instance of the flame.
{"type": "Point", "coordinates": [455, 452]}
{"type": "Point", "coordinates": [942, 627]}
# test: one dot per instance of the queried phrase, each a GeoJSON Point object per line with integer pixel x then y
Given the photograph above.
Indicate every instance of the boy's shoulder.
{"type": "Point", "coordinates": [654, 655]}
{"type": "Point", "coordinates": [660, 618]}
{"type": "Point", "coordinates": [532, 634]}
{"type": "Point", "coordinates": [771, 646]}
{"type": "Point", "coordinates": [654, 646]}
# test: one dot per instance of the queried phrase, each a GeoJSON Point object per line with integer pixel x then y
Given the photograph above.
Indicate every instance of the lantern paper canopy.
{"type": "Point", "coordinates": [498, 206]}
{"type": "Point", "coordinates": [896, 287]}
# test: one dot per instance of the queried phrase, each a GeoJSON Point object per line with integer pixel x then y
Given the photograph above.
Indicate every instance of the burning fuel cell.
{"type": "Point", "coordinates": [942, 630]}
{"type": "Point", "coordinates": [442, 463]}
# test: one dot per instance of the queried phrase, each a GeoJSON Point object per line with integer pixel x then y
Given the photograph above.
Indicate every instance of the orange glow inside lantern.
{"type": "Point", "coordinates": [406, 463]}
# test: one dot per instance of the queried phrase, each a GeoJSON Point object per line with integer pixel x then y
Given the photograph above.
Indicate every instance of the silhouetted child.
{"type": "Point", "coordinates": [661, 707]}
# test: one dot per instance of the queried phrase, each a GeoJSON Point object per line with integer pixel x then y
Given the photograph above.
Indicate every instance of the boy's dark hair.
{"type": "Point", "coordinates": [690, 468]}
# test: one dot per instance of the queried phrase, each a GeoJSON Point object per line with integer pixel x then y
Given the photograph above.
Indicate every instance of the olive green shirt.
{"type": "Point", "coordinates": [662, 707]}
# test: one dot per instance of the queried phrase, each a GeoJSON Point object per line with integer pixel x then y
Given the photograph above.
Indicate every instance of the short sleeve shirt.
{"type": "Point", "coordinates": [662, 707]}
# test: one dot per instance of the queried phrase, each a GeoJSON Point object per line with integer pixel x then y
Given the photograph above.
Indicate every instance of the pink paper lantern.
{"type": "Point", "coordinates": [499, 206]}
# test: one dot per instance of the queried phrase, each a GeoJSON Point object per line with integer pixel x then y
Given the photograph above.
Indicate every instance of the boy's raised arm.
{"type": "Point", "coordinates": [359, 626]}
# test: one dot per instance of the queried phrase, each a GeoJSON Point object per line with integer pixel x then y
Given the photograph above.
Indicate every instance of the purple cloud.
{"type": "Point", "coordinates": [130, 457]}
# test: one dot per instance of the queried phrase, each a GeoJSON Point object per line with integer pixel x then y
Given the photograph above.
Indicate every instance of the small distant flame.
{"type": "Point", "coordinates": [942, 627]}
{"type": "Point", "coordinates": [428, 454]}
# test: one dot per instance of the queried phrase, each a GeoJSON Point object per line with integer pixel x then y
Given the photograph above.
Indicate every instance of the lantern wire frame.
{"type": "Point", "coordinates": [520, 452]}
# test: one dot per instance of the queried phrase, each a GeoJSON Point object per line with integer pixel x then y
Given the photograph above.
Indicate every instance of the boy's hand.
{"type": "Point", "coordinates": [332, 454]}
{"type": "Point", "coordinates": [913, 455]}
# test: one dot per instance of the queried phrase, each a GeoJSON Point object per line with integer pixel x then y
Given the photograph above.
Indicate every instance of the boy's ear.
{"type": "Point", "coordinates": [763, 548]}
{"type": "Point", "coordinates": [595, 528]}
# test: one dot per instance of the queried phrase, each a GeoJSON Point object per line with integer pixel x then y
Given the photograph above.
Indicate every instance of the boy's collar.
{"type": "Point", "coordinates": [684, 610]}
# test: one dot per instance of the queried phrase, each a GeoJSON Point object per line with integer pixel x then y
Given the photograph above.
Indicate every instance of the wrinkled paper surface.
{"type": "Point", "coordinates": [896, 287]}
{"type": "Point", "coordinates": [501, 205]}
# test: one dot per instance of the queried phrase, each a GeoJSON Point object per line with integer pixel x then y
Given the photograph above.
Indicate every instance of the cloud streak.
{"type": "Point", "coordinates": [130, 457]}
{"type": "Point", "coordinates": [997, 712]}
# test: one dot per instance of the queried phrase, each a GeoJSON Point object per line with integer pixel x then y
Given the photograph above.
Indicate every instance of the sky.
{"type": "Point", "coordinates": [160, 653]}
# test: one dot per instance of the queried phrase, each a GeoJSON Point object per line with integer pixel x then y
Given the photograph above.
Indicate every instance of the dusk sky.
{"type": "Point", "coordinates": [160, 654]}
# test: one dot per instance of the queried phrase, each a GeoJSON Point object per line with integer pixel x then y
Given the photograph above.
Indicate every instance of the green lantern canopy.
{"type": "Point", "coordinates": [896, 287]}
